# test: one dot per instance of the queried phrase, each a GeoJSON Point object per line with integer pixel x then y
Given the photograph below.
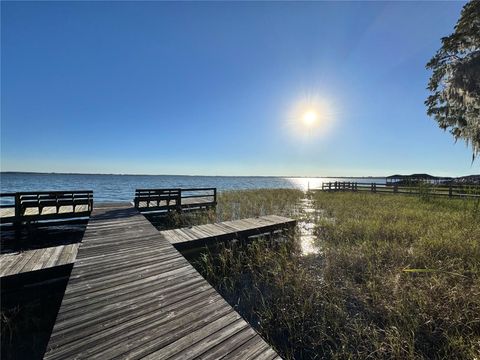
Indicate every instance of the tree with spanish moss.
{"type": "Point", "coordinates": [454, 101]}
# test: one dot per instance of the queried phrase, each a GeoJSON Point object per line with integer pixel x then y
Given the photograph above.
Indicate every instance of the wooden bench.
{"type": "Point", "coordinates": [174, 199]}
{"type": "Point", "coordinates": [153, 198]}
{"type": "Point", "coordinates": [47, 205]}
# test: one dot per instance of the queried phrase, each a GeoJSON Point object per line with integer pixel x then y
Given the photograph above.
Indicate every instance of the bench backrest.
{"type": "Point", "coordinates": [146, 195]}
{"type": "Point", "coordinates": [54, 198]}
{"type": "Point", "coordinates": [169, 194]}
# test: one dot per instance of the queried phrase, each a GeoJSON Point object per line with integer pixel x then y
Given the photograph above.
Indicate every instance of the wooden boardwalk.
{"type": "Point", "coordinates": [203, 234]}
{"type": "Point", "coordinates": [131, 294]}
{"type": "Point", "coordinates": [37, 259]}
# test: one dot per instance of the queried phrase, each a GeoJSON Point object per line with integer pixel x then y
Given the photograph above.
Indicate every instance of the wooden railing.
{"type": "Point", "coordinates": [29, 206]}
{"type": "Point", "coordinates": [426, 189]}
{"type": "Point", "coordinates": [155, 198]}
{"type": "Point", "coordinates": [8, 210]}
{"type": "Point", "coordinates": [174, 198]}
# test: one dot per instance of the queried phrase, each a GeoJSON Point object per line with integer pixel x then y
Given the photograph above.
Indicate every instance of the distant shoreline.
{"type": "Point", "coordinates": [236, 176]}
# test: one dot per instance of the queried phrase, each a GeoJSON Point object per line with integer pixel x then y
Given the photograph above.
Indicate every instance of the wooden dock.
{"type": "Point", "coordinates": [131, 294]}
{"type": "Point", "coordinates": [203, 234]}
{"type": "Point", "coordinates": [37, 259]}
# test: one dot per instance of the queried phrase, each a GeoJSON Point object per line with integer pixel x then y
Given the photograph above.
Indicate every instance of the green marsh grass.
{"type": "Point", "coordinates": [398, 277]}
{"type": "Point", "coordinates": [234, 205]}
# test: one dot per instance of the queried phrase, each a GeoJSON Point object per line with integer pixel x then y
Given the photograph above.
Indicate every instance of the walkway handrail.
{"type": "Point", "coordinates": [450, 191]}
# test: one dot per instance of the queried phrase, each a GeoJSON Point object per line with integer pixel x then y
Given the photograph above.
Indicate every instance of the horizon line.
{"type": "Point", "coordinates": [274, 176]}
{"type": "Point", "coordinates": [129, 174]}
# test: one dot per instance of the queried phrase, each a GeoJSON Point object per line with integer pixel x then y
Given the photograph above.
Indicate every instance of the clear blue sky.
{"type": "Point", "coordinates": [215, 88]}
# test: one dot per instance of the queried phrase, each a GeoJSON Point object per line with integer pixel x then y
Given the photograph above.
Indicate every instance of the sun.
{"type": "Point", "coordinates": [309, 118]}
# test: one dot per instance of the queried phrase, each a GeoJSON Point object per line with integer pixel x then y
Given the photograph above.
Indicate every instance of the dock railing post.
{"type": "Point", "coordinates": [179, 200]}
{"type": "Point", "coordinates": [450, 190]}
{"type": "Point", "coordinates": [18, 209]}
{"type": "Point", "coordinates": [17, 221]}
{"type": "Point", "coordinates": [215, 196]}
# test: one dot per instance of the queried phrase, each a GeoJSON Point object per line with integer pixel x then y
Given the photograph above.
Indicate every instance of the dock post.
{"type": "Point", "coordinates": [178, 201]}
{"type": "Point", "coordinates": [450, 190]}
{"type": "Point", "coordinates": [18, 209]}
{"type": "Point", "coordinates": [17, 222]}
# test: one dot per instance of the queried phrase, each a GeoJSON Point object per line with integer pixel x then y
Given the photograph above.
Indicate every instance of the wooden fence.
{"type": "Point", "coordinates": [451, 190]}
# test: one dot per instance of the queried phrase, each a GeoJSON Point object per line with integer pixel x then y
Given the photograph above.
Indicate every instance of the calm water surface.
{"type": "Point", "coordinates": [112, 188]}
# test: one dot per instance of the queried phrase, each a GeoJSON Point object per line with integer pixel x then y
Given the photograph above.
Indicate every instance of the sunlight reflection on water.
{"type": "Point", "coordinates": [307, 228]}
{"type": "Point", "coordinates": [308, 183]}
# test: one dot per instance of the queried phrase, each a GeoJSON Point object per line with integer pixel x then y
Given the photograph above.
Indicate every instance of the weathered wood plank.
{"type": "Point", "coordinates": [31, 260]}
{"type": "Point", "coordinates": [197, 342]}
{"type": "Point", "coordinates": [132, 295]}
{"type": "Point", "coordinates": [229, 345]}
{"type": "Point", "coordinates": [235, 228]}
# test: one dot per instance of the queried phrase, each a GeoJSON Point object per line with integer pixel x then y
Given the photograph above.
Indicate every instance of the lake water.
{"type": "Point", "coordinates": [113, 188]}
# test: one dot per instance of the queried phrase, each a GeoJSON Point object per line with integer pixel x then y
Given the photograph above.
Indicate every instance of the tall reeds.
{"type": "Point", "coordinates": [398, 277]}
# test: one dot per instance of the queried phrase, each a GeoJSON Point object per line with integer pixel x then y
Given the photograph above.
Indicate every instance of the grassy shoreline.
{"type": "Point", "coordinates": [397, 277]}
